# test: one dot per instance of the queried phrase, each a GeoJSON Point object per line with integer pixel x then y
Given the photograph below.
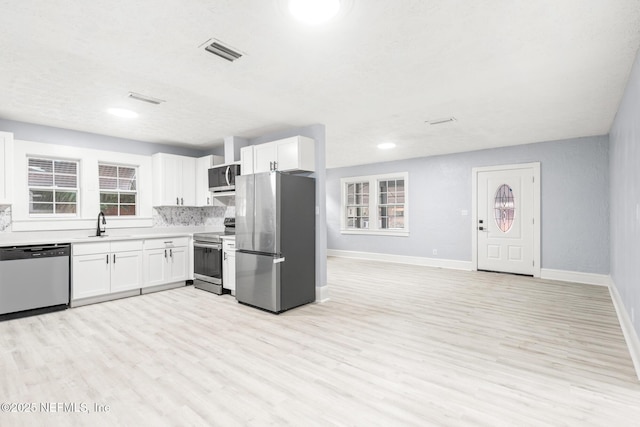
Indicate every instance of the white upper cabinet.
{"type": "Point", "coordinates": [174, 179]}
{"type": "Point", "coordinates": [6, 162]}
{"type": "Point", "coordinates": [246, 160]}
{"type": "Point", "coordinates": [294, 154]}
{"type": "Point", "coordinates": [203, 195]}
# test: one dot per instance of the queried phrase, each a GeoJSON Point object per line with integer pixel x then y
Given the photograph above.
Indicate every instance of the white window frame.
{"type": "Point", "coordinates": [88, 198]}
{"type": "Point", "coordinates": [117, 191]}
{"type": "Point", "coordinates": [373, 205]}
{"type": "Point", "coordinates": [54, 189]}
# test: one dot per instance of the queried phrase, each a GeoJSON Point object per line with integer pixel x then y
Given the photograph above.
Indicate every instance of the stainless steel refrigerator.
{"type": "Point", "coordinates": [275, 240]}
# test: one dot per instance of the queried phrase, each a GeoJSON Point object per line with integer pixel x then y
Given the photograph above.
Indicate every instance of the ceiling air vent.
{"type": "Point", "coordinates": [223, 51]}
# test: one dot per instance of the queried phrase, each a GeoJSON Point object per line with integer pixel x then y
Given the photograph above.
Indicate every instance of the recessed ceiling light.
{"type": "Point", "coordinates": [314, 11]}
{"type": "Point", "coordinates": [386, 145]}
{"type": "Point", "coordinates": [121, 112]}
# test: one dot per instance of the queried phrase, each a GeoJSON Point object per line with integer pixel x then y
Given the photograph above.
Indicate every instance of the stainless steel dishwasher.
{"type": "Point", "coordinates": [33, 279]}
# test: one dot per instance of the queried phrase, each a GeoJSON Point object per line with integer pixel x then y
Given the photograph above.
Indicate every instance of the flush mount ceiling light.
{"type": "Point", "coordinates": [314, 12]}
{"type": "Point", "coordinates": [386, 145]}
{"type": "Point", "coordinates": [121, 112]}
{"type": "Point", "coordinates": [145, 98]}
{"type": "Point", "coordinates": [441, 121]}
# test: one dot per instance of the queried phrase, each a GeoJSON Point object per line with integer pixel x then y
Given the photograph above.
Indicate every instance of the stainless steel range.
{"type": "Point", "coordinates": [207, 258]}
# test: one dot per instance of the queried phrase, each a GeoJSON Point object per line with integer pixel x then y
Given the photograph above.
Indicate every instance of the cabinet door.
{"type": "Point", "coordinates": [179, 259]}
{"type": "Point", "coordinates": [126, 271]}
{"type": "Point", "coordinates": [167, 177]}
{"type": "Point", "coordinates": [287, 154]}
{"type": "Point", "coordinates": [263, 156]}
{"type": "Point", "coordinates": [296, 154]}
{"type": "Point", "coordinates": [246, 160]}
{"type": "Point", "coordinates": [156, 263]}
{"type": "Point", "coordinates": [188, 183]}
{"type": "Point", "coordinates": [203, 195]}
{"type": "Point", "coordinates": [6, 165]}
{"type": "Point", "coordinates": [91, 275]}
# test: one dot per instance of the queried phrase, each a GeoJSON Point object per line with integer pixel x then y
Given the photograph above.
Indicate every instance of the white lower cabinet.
{"type": "Point", "coordinates": [229, 265]}
{"type": "Point", "coordinates": [104, 268]}
{"type": "Point", "coordinates": [165, 261]}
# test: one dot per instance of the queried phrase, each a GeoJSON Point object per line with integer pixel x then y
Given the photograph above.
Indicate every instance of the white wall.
{"type": "Point", "coordinates": [575, 203]}
{"type": "Point", "coordinates": [73, 138]}
{"type": "Point", "coordinates": [88, 194]}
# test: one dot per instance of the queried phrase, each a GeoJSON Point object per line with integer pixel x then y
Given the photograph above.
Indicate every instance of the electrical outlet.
{"type": "Point", "coordinates": [633, 316]}
{"type": "Point", "coordinates": [464, 212]}
{"type": "Point", "coordinates": [435, 252]}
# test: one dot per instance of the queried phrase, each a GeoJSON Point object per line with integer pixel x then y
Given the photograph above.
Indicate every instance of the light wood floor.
{"type": "Point", "coordinates": [396, 345]}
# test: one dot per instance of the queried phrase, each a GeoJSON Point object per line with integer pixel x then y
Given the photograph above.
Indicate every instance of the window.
{"type": "Point", "coordinates": [375, 204]}
{"type": "Point", "coordinates": [118, 190]}
{"type": "Point", "coordinates": [358, 205]}
{"type": "Point", "coordinates": [391, 204]}
{"type": "Point", "coordinates": [53, 187]}
{"type": "Point", "coordinates": [504, 208]}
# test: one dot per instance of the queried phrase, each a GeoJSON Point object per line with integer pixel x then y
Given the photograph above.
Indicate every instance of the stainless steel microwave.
{"type": "Point", "coordinates": [223, 177]}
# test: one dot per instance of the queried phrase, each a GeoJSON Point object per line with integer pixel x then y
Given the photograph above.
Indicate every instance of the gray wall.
{"type": "Point", "coordinates": [625, 197]}
{"type": "Point", "coordinates": [575, 203]}
{"type": "Point", "coordinates": [53, 135]}
{"type": "Point", "coordinates": [318, 133]}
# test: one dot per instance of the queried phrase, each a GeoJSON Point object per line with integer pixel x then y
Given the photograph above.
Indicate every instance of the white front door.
{"type": "Point", "coordinates": [507, 219]}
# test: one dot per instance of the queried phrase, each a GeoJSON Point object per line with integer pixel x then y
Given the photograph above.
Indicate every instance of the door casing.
{"type": "Point", "coordinates": [535, 166]}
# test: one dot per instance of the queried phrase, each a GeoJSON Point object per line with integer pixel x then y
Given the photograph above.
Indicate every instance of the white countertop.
{"type": "Point", "coordinates": [86, 236]}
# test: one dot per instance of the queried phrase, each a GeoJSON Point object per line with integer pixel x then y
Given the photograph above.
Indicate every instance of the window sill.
{"type": "Point", "coordinates": [392, 233]}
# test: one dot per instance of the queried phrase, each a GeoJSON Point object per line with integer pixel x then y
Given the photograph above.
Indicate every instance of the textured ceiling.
{"type": "Point", "coordinates": [511, 72]}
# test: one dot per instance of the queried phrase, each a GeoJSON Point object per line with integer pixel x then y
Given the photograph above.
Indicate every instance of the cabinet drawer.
{"type": "Point", "coordinates": [126, 245]}
{"type": "Point", "coordinates": [169, 242]}
{"type": "Point", "coordinates": [91, 248]}
{"type": "Point", "coordinates": [229, 245]}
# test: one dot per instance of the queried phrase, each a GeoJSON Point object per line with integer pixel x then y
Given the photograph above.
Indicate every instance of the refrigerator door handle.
{"type": "Point", "coordinates": [278, 260]}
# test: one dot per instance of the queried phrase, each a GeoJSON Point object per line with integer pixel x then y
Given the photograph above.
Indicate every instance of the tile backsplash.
{"type": "Point", "coordinates": [210, 216]}
{"type": "Point", "coordinates": [5, 218]}
{"type": "Point", "coordinates": [170, 216]}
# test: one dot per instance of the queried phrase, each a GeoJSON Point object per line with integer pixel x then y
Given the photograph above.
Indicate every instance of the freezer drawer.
{"type": "Point", "coordinates": [258, 280]}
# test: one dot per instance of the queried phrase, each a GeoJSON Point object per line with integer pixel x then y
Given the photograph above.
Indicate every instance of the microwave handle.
{"type": "Point", "coordinates": [226, 174]}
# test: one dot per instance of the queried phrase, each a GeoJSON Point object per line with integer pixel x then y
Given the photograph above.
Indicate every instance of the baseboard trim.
{"type": "Point", "coordinates": [322, 294]}
{"type": "Point", "coordinates": [403, 259]}
{"type": "Point", "coordinates": [575, 277]}
{"type": "Point", "coordinates": [629, 332]}
{"type": "Point", "coordinates": [104, 298]}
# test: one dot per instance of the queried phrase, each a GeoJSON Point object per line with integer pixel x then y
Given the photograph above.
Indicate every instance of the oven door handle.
{"type": "Point", "coordinates": [207, 245]}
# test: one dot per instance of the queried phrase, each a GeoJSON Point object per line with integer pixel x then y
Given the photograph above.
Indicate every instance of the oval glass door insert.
{"type": "Point", "coordinates": [504, 208]}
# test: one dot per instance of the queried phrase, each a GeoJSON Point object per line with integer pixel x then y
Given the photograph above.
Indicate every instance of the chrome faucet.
{"type": "Point", "coordinates": [100, 230]}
